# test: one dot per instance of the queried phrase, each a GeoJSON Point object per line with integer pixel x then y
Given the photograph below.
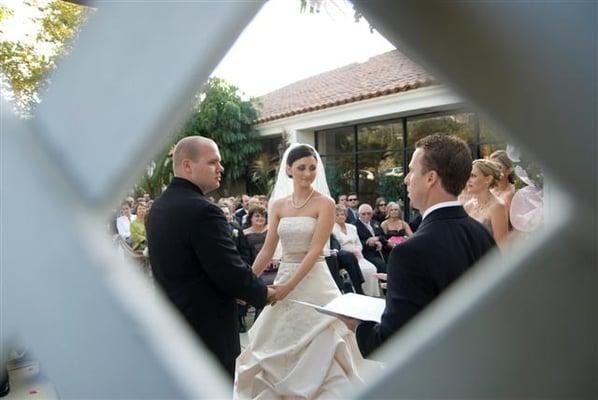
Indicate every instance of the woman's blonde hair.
{"type": "Point", "coordinates": [502, 157]}
{"type": "Point", "coordinates": [391, 205]}
{"type": "Point", "coordinates": [488, 168]}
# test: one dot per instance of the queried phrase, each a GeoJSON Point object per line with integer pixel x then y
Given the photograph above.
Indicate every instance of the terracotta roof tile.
{"type": "Point", "coordinates": [381, 75]}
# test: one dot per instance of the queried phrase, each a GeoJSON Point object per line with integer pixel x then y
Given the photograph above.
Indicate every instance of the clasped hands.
{"type": "Point", "coordinates": [374, 242]}
{"type": "Point", "coordinates": [277, 293]}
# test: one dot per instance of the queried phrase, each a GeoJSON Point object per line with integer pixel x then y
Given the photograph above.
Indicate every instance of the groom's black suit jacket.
{"type": "Point", "coordinates": [195, 261]}
{"type": "Point", "coordinates": [447, 243]}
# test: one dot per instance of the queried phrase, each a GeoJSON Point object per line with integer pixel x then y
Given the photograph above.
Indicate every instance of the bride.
{"type": "Point", "coordinates": [293, 350]}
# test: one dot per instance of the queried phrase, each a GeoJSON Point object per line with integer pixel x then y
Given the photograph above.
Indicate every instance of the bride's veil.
{"type": "Point", "coordinates": [283, 186]}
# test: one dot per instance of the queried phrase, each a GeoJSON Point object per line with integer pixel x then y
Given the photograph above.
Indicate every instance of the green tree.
{"type": "Point", "coordinates": [158, 175]}
{"type": "Point", "coordinates": [227, 119]}
{"type": "Point", "coordinates": [220, 114]}
{"type": "Point", "coordinates": [25, 65]}
{"type": "Point", "coordinates": [263, 172]}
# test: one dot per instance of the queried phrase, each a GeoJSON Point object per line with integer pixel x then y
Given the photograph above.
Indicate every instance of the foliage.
{"type": "Point", "coordinates": [220, 114]}
{"type": "Point", "coordinates": [158, 175]}
{"type": "Point", "coordinates": [391, 187]}
{"type": "Point", "coordinates": [227, 119]}
{"type": "Point", "coordinates": [25, 66]}
{"type": "Point", "coordinates": [263, 172]}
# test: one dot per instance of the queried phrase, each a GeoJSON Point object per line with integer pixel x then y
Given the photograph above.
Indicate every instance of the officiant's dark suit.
{"type": "Point", "coordinates": [193, 256]}
{"type": "Point", "coordinates": [447, 243]}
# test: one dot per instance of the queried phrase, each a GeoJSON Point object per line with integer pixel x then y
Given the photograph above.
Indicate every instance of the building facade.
{"type": "Point", "coordinates": [365, 119]}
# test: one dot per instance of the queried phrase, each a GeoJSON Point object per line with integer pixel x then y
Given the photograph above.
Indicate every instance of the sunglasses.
{"type": "Point", "coordinates": [352, 199]}
{"type": "Point", "coordinates": [382, 205]}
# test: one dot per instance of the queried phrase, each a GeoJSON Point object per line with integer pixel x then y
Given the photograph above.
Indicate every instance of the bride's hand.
{"type": "Point", "coordinates": [282, 291]}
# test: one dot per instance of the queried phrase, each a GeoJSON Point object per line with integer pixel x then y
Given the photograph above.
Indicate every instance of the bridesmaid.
{"type": "Point", "coordinates": [485, 206]}
{"type": "Point", "coordinates": [395, 229]}
{"type": "Point", "coordinates": [504, 188]}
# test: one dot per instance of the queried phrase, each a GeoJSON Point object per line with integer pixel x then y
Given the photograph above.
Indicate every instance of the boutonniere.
{"type": "Point", "coordinates": [235, 232]}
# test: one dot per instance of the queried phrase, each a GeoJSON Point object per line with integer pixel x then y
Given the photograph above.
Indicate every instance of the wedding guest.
{"type": "Point", "coordinates": [447, 243]}
{"type": "Point", "coordinates": [252, 203]}
{"type": "Point", "coordinates": [415, 220]}
{"type": "Point", "coordinates": [242, 211]}
{"type": "Point", "coordinates": [123, 223]}
{"type": "Point", "coordinates": [352, 211]}
{"type": "Point", "coordinates": [138, 228]}
{"type": "Point", "coordinates": [238, 237]}
{"type": "Point", "coordinates": [348, 262]}
{"type": "Point", "coordinates": [342, 200]}
{"type": "Point", "coordinates": [255, 234]}
{"type": "Point", "coordinates": [504, 188]}
{"type": "Point", "coordinates": [371, 237]}
{"type": "Point", "coordinates": [485, 206]}
{"type": "Point", "coordinates": [395, 229]}
{"type": "Point", "coordinates": [346, 234]}
{"type": "Point", "coordinates": [380, 210]}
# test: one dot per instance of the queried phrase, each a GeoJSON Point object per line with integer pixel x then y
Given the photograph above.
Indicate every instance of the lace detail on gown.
{"type": "Point", "coordinates": [294, 351]}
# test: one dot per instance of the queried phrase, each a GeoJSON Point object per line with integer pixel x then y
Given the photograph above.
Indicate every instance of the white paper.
{"type": "Point", "coordinates": [365, 308]}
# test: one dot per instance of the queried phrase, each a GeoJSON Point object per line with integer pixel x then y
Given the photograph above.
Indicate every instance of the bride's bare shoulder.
{"type": "Point", "coordinates": [324, 200]}
{"type": "Point", "coordinates": [279, 203]}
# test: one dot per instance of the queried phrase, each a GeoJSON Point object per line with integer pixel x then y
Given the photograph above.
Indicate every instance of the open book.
{"type": "Point", "coordinates": [351, 305]}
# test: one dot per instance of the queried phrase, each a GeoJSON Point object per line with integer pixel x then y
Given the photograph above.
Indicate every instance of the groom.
{"type": "Point", "coordinates": [192, 255]}
{"type": "Point", "coordinates": [447, 243]}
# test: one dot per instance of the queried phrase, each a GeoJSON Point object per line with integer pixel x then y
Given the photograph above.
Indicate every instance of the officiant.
{"type": "Point", "coordinates": [447, 243]}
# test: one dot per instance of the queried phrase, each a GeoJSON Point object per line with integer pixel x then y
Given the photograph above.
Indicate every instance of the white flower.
{"type": "Point", "coordinates": [235, 232]}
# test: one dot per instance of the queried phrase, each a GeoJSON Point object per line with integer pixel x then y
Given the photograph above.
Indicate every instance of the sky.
{"type": "Point", "coordinates": [282, 45]}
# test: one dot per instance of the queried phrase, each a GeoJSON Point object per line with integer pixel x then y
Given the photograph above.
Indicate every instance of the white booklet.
{"type": "Point", "coordinates": [358, 306]}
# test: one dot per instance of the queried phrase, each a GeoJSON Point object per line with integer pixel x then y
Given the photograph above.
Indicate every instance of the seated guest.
{"type": "Point", "coordinates": [123, 223]}
{"type": "Point", "coordinates": [138, 228]}
{"type": "Point", "coordinates": [342, 200]}
{"type": "Point", "coordinates": [242, 210]}
{"type": "Point", "coordinates": [346, 234]}
{"type": "Point", "coordinates": [484, 206]}
{"type": "Point", "coordinates": [371, 236]}
{"type": "Point", "coordinates": [380, 210]}
{"type": "Point", "coordinates": [252, 203]}
{"type": "Point", "coordinates": [395, 229]}
{"type": "Point", "coordinates": [243, 247]}
{"type": "Point", "coordinates": [348, 262]}
{"type": "Point", "coordinates": [237, 235]}
{"type": "Point", "coordinates": [255, 234]}
{"type": "Point", "coordinates": [352, 203]}
{"type": "Point", "coordinates": [415, 220]}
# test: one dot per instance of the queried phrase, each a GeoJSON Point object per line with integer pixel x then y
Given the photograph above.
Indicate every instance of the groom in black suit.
{"type": "Point", "coordinates": [193, 256]}
{"type": "Point", "coordinates": [447, 243]}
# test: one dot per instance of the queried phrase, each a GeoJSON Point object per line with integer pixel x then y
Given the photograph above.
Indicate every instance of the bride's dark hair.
{"type": "Point", "coordinates": [300, 152]}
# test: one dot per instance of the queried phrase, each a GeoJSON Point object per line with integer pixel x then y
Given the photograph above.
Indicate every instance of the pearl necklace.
{"type": "Point", "coordinates": [304, 203]}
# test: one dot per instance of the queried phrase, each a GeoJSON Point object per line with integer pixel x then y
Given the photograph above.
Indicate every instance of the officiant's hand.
{"type": "Point", "coordinates": [351, 323]}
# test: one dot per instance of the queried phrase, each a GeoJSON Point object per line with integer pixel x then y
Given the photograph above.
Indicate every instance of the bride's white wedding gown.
{"type": "Point", "coordinates": [295, 351]}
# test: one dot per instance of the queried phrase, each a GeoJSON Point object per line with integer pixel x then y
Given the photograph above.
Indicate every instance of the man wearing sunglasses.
{"type": "Point", "coordinates": [352, 204]}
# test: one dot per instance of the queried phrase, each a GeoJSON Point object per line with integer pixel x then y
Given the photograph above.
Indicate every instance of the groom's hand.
{"type": "Point", "coordinates": [271, 294]}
